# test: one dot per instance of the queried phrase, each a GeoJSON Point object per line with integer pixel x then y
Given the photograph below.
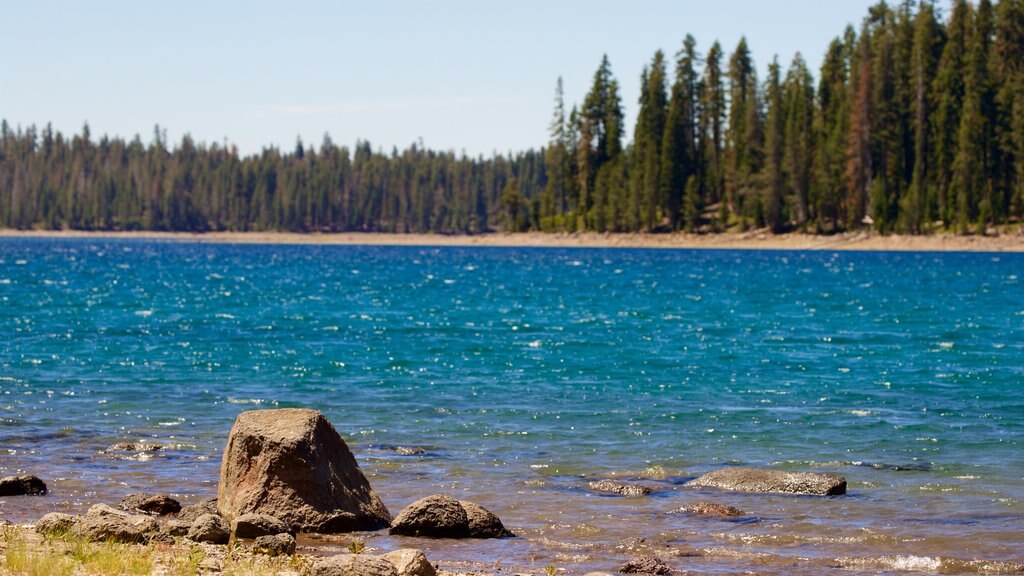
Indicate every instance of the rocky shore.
{"type": "Point", "coordinates": [286, 473]}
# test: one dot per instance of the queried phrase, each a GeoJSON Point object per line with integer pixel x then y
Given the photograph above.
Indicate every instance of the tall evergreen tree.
{"type": "Point", "coordinates": [680, 158]}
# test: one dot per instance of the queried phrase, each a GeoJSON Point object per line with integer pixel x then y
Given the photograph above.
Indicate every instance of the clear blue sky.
{"type": "Point", "coordinates": [460, 74]}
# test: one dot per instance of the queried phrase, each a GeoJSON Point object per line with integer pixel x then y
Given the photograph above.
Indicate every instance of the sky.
{"type": "Point", "coordinates": [470, 76]}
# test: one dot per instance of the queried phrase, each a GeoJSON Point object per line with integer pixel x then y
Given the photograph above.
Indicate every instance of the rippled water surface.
{"type": "Point", "coordinates": [523, 374]}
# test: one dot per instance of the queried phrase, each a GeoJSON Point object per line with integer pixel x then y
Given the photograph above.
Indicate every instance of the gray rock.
{"type": "Point", "coordinates": [410, 450]}
{"type": "Point", "coordinates": [483, 523]}
{"type": "Point", "coordinates": [436, 516]}
{"type": "Point", "coordinates": [56, 524]}
{"type": "Point", "coordinates": [646, 565]}
{"type": "Point", "coordinates": [276, 544]}
{"type": "Point", "coordinates": [353, 565]}
{"type": "Point", "coordinates": [175, 528]}
{"type": "Point", "coordinates": [159, 504]}
{"type": "Point", "coordinates": [712, 509]}
{"type": "Point", "coordinates": [190, 513]}
{"type": "Point", "coordinates": [210, 528]}
{"type": "Point", "coordinates": [27, 485]}
{"type": "Point", "coordinates": [620, 488]}
{"type": "Point", "coordinates": [292, 464]}
{"type": "Point", "coordinates": [772, 481]}
{"type": "Point", "coordinates": [597, 574]}
{"type": "Point", "coordinates": [103, 523]}
{"type": "Point", "coordinates": [410, 562]}
{"type": "Point", "coordinates": [133, 447]}
{"type": "Point", "coordinates": [256, 525]}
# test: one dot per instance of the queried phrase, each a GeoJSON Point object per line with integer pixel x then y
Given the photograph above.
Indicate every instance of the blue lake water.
{"type": "Point", "coordinates": [525, 373]}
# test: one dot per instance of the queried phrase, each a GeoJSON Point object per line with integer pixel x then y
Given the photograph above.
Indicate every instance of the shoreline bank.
{"type": "Point", "coordinates": [754, 240]}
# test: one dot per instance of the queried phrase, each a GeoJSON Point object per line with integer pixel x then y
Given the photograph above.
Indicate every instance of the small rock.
{"type": "Point", "coordinates": [104, 523]}
{"type": "Point", "coordinates": [175, 528]}
{"type": "Point", "coordinates": [410, 562]}
{"type": "Point", "coordinates": [437, 516]}
{"type": "Point", "coordinates": [210, 528]}
{"type": "Point", "coordinates": [276, 544]}
{"type": "Point", "coordinates": [56, 524]}
{"type": "Point", "coordinates": [159, 504]}
{"type": "Point", "coordinates": [597, 574]}
{"type": "Point", "coordinates": [353, 565]}
{"type": "Point", "coordinates": [28, 485]}
{"type": "Point", "coordinates": [772, 481]}
{"type": "Point", "coordinates": [712, 509]}
{"type": "Point", "coordinates": [483, 523]}
{"type": "Point", "coordinates": [191, 513]}
{"type": "Point", "coordinates": [646, 565]}
{"type": "Point", "coordinates": [409, 450]}
{"type": "Point", "coordinates": [133, 447]}
{"type": "Point", "coordinates": [620, 488]}
{"type": "Point", "coordinates": [256, 525]}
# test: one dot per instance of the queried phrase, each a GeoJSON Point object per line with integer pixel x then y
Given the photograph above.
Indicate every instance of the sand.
{"type": "Point", "coordinates": [756, 240]}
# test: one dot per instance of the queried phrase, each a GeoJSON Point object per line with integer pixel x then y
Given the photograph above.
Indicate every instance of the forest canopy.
{"type": "Point", "coordinates": [913, 124]}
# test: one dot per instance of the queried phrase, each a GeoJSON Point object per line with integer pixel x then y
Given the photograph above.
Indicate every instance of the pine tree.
{"type": "Point", "coordinates": [949, 91]}
{"type": "Point", "coordinates": [712, 120]}
{"type": "Point", "coordinates": [774, 145]}
{"type": "Point", "coordinates": [744, 136]}
{"type": "Point", "coordinates": [680, 159]}
{"type": "Point", "coordinates": [798, 156]}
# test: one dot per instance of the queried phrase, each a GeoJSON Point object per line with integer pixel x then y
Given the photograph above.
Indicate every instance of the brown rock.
{"type": "Point", "coordinates": [103, 523]}
{"type": "Point", "coordinates": [56, 523]}
{"type": "Point", "coordinates": [620, 488]}
{"type": "Point", "coordinates": [436, 516]}
{"type": "Point", "coordinates": [210, 528]}
{"type": "Point", "coordinates": [175, 528]}
{"type": "Point", "coordinates": [353, 565]}
{"type": "Point", "coordinates": [190, 513]}
{"type": "Point", "coordinates": [256, 525]}
{"type": "Point", "coordinates": [712, 509]}
{"type": "Point", "coordinates": [292, 464]}
{"type": "Point", "coordinates": [410, 562]}
{"type": "Point", "coordinates": [483, 523]}
{"type": "Point", "coordinates": [27, 485]}
{"type": "Point", "coordinates": [276, 544]}
{"type": "Point", "coordinates": [774, 481]}
{"type": "Point", "coordinates": [159, 504]}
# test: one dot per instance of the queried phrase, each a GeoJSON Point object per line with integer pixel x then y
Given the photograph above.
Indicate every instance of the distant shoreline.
{"type": "Point", "coordinates": [754, 240]}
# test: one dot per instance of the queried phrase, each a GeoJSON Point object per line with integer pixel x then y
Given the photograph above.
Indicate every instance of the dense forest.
{"type": "Point", "coordinates": [914, 125]}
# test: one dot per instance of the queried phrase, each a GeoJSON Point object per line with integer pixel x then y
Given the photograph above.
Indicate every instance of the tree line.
{"type": "Point", "coordinates": [915, 124]}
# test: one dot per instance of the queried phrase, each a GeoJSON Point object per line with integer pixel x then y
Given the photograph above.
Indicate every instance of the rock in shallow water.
{"type": "Point", "coordinates": [620, 488]}
{"type": "Point", "coordinates": [646, 565]}
{"type": "Point", "coordinates": [292, 464]}
{"type": "Point", "coordinates": [483, 523]}
{"type": "Point", "coordinates": [159, 504]}
{"type": "Point", "coordinates": [772, 481]}
{"type": "Point", "coordinates": [713, 510]}
{"type": "Point", "coordinates": [436, 516]}
{"type": "Point", "coordinates": [28, 485]}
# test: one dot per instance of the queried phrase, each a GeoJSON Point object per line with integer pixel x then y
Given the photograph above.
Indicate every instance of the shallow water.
{"type": "Point", "coordinates": [526, 373]}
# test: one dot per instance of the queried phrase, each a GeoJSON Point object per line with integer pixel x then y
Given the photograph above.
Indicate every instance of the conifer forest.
{"type": "Point", "coordinates": [914, 124]}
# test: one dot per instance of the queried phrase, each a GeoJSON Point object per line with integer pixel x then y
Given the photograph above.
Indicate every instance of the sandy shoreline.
{"type": "Point", "coordinates": [755, 240]}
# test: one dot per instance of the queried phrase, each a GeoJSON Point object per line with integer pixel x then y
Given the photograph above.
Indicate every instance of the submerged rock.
{"type": "Point", "coordinates": [646, 565]}
{"type": "Point", "coordinates": [482, 522]}
{"type": "Point", "coordinates": [410, 562]}
{"type": "Point", "coordinates": [292, 464]}
{"type": "Point", "coordinates": [410, 450]}
{"type": "Point", "coordinates": [436, 516]}
{"type": "Point", "coordinates": [620, 488]}
{"type": "Point", "coordinates": [775, 481]}
{"type": "Point", "coordinates": [133, 447]}
{"type": "Point", "coordinates": [190, 513]}
{"type": "Point", "coordinates": [353, 565]}
{"type": "Point", "coordinates": [256, 525]}
{"type": "Point", "coordinates": [210, 528]}
{"type": "Point", "coordinates": [276, 544]}
{"type": "Point", "coordinates": [27, 485]}
{"type": "Point", "coordinates": [56, 523]}
{"type": "Point", "coordinates": [713, 510]}
{"type": "Point", "coordinates": [159, 504]}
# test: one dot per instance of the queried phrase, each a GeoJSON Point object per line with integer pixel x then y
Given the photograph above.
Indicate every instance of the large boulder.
{"type": "Point", "coordinates": [292, 464]}
{"type": "Point", "coordinates": [159, 504]}
{"type": "Point", "coordinates": [777, 481]}
{"type": "Point", "coordinates": [482, 522]}
{"type": "Point", "coordinates": [353, 565]}
{"type": "Point", "coordinates": [27, 485]}
{"type": "Point", "coordinates": [436, 516]}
